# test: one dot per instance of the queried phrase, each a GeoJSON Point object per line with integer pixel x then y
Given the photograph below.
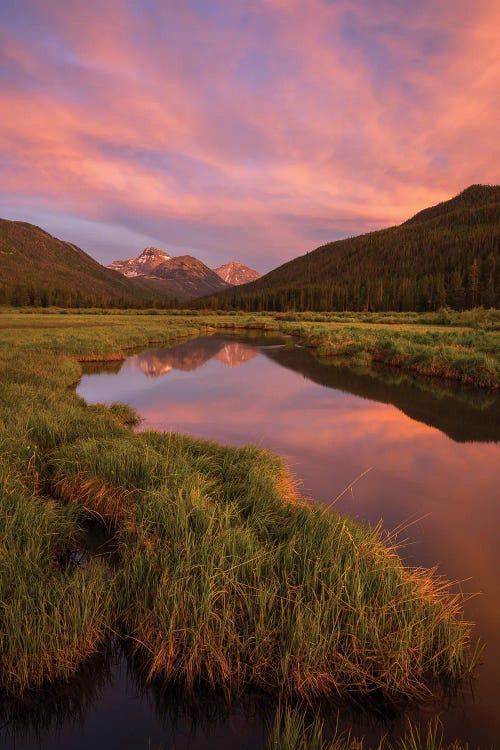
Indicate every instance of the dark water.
{"type": "Point", "coordinates": [418, 454]}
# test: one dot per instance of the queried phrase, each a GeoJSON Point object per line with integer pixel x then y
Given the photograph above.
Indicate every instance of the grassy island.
{"type": "Point", "coordinates": [221, 575]}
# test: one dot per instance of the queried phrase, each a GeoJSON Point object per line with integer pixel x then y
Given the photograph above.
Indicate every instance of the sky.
{"type": "Point", "coordinates": [250, 130]}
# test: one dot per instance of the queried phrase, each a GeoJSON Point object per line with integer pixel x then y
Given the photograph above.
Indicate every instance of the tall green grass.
{"type": "Point", "coordinates": [51, 618]}
{"type": "Point", "coordinates": [228, 579]}
{"type": "Point", "coordinates": [467, 356]}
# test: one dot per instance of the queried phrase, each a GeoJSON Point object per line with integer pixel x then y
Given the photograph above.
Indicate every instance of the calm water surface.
{"type": "Point", "coordinates": [417, 456]}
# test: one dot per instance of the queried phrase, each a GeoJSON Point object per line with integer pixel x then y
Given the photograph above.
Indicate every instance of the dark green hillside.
{"type": "Point", "coordinates": [445, 255]}
{"type": "Point", "coordinates": [36, 268]}
{"type": "Point", "coordinates": [475, 196]}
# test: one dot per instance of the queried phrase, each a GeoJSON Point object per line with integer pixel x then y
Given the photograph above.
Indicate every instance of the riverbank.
{"type": "Point", "coordinates": [460, 347]}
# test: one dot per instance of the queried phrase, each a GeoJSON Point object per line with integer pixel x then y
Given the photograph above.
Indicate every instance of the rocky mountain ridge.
{"type": "Point", "coordinates": [144, 265]}
{"type": "Point", "coordinates": [186, 276]}
{"type": "Point", "coordinates": [236, 273]}
{"type": "Point", "coordinates": [39, 269]}
{"type": "Point", "coordinates": [182, 276]}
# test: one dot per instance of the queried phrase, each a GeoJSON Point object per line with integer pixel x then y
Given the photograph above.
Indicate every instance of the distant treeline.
{"type": "Point", "coordinates": [30, 296]}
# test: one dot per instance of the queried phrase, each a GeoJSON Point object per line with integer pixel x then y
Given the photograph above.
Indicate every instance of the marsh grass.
{"type": "Point", "coordinates": [468, 356]}
{"type": "Point", "coordinates": [293, 730]}
{"type": "Point", "coordinates": [50, 620]}
{"type": "Point", "coordinates": [226, 577]}
{"type": "Point", "coordinates": [228, 581]}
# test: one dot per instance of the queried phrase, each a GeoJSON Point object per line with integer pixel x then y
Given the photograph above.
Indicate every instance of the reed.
{"type": "Point", "coordinates": [292, 730]}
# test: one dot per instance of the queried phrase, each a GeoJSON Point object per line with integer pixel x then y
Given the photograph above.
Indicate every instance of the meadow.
{"type": "Point", "coordinates": [222, 575]}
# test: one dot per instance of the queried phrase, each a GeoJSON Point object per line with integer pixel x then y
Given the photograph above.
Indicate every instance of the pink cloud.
{"type": "Point", "coordinates": [282, 123]}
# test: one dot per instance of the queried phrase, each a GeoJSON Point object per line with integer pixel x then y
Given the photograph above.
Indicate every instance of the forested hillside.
{"type": "Point", "coordinates": [445, 255]}
{"type": "Point", "coordinates": [39, 269]}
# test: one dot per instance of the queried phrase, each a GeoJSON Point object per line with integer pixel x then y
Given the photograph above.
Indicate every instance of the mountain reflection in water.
{"type": "Point", "coordinates": [432, 458]}
{"type": "Point", "coordinates": [190, 355]}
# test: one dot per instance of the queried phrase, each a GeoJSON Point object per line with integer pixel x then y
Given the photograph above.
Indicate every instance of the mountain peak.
{"type": "Point", "coordinates": [183, 276]}
{"type": "Point", "coordinates": [154, 252]}
{"type": "Point", "coordinates": [235, 273]}
{"type": "Point", "coordinates": [143, 264]}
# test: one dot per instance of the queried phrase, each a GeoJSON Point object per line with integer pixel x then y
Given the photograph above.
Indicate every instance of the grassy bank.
{"type": "Point", "coordinates": [224, 576]}
{"type": "Point", "coordinates": [228, 580]}
{"type": "Point", "coordinates": [462, 347]}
